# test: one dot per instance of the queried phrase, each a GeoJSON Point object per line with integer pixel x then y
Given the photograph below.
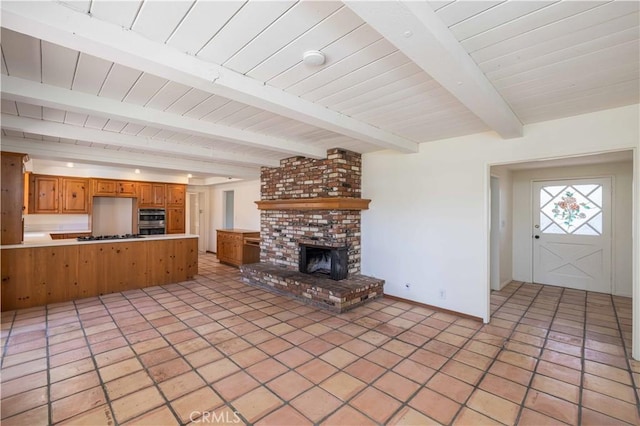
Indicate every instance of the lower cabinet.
{"type": "Point", "coordinates": [233, 249]}
{"type": "Point", "coordinates": [175, 220]}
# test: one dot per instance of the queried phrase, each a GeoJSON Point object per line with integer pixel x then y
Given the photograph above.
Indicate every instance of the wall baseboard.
{"type": "Point", "coordinates": [434, 308]}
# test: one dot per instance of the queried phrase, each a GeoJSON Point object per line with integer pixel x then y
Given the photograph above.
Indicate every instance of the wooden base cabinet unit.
{"type": "Point", "coordinates": [233, 249]}
{"type": "Point", "coordinates": [37, 276]}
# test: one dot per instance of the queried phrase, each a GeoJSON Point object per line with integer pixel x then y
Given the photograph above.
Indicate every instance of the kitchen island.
{"type": "Point", "coordinates": [43, 272]}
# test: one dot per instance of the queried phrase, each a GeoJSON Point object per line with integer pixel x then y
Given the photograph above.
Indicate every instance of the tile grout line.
{"type": "Point", "coordinates": [5, 347]}
{"type": "Point", "coordinates": [634, 386]}
{"type": "Point", "coordinates": [508, 339]}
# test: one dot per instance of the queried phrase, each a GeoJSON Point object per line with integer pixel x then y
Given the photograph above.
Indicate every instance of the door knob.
{"type": "Point", "coordinates": [536, 237]}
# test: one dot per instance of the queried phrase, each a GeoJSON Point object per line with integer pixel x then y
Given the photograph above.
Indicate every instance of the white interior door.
{"type": "Point", "coordinates": [572, 233]}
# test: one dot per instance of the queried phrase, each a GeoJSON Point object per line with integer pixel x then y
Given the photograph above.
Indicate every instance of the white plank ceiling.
{"type": "Point", "coordinates": [219, 88]}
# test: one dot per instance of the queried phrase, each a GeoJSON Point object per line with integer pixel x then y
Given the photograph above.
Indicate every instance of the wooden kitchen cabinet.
{"type": "Point", "coordinates": [176, 194]}
{"type": "Point", "coordinates": [12, 199]}
{"type": "Point", "coordinates": [75, 195]}
{"type": "Point", "coordinates": [114, 188]}
{"type": "Point", "coordinates": [57, 194]}
{"type": "Point", "coordinates": [44, 194]}
{"type": "Point", "coordinates": [175, 220]}
{"type": "Point", "coordinates": [151, 194]}
{"type": "Point", "coordinates": [233, 249]}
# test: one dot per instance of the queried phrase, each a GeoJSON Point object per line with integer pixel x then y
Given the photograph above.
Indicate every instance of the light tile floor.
{"type": "Point", "coordinates": [214, 350]}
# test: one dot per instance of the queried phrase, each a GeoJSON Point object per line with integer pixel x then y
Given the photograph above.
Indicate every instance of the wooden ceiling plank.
{"type": "Point", "coordinates": [212, 103]}
{"type": "Point", "coordinates": [340, 23]}
{"type": "Point", "coordinates": [187, 102]}
{"type": "Point", "coordinates": [346, 46]}
{"type": "Point", "coordinates": [495, 16]}
{"type": "Point", "coordinates": [291, 25]}
{"type": "Point", "coordinates": [55, 97]}
{"type": "Point", "coordinates": [457, 11]}
{"type": "Point", "coordinates": [75, 118]}
{"type": "Point", "coordinates": [538, 19]}
{"type": "Point", "coordinates": [29, 110]}
{"type": "Point", "coordinates": [121, 13]}
{"type": "Point", "coordinates": [58, 65]}
{"type": "Point", "coordinates": [600, 44]}
{"type": "Point", "coordinates": [132, 129]}
{"type": "Point", "coordinates": [356, 76]}
{"type": "Point", "coordinates": [94, 122]}
{"type": "Point", "coordinates": [360, 58]}
{"type": "Point", "coordinates": [628, 22]}
{"type": "Point", "coordinates": [9, 107]}
{"type": "Point", "coordinates": [558, 29]}
{"type": "Point", "coordinates": [114, 126]}
{"type": "Point", "coordinates": [158, 19]}
{"type": "Point", "coordinates": [250, 21]}
{"type": "Point", "coordinates": [574, 66]}
{"type": "Point", "coordinates": [144, 89]}
{"type": "Point", "coordinates": [119, 82]}
{"type": "Point", "coordinates": [385, 82]}
{"type": "Point", "coordinates": [91, 73]}
{"type": "Point", "coordinates": [22, 55]}
{"type": "Point", "coordinates": [112, 138]}
{"type": "Point", "coordinates": [203, 21]}
{"type": "Point", "coordinates": [70, 152]}
{"type": "Point", "coordinates": [57, 24]}
{"type": "Point", "coordinates": [166, 96]}
{"type": "Point", "coordinates": [416, 30]}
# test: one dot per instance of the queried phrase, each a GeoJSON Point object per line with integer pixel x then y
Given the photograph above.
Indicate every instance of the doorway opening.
{"type": "Point", "coordinates": [520, 186]}
{"type": "Point", "coordinates": [228, 199]}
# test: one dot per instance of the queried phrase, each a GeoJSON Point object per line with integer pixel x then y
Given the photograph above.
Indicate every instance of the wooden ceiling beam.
{"type": "Point", "coordinates": [31, 92]}
{"type": "Point", "coordinates": [415, 29]}
{"type": "Point", "coordinates": [108, 157]}
{"type": "Point", "coordinates": [55, 23]}
{"type": "Point", "coordinates": [162, 147]}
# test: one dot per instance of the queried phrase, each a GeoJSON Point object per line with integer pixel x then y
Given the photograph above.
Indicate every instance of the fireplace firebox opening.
{"type": "Point", "coordinates": [330, 261]}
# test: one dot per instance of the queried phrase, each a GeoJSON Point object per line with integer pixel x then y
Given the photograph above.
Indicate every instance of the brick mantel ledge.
{"type": "Point", "coordinates": [333, 203]}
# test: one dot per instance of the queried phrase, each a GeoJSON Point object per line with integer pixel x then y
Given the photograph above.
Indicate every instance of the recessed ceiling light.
{"type": "Point", "coordinates": [313, 57]}
{"type": "Point", "coordinates": [69, 164]}
{"type": "Point", "coordinates": [189, 175]}
{"type": "Point", "coordinates": [137, 171]}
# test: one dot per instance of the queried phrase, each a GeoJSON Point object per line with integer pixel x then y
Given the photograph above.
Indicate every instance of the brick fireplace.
{"type": "Point", "coordinates": [313, 203]}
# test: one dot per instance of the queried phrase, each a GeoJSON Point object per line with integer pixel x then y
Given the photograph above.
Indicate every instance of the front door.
{"type": "Point", "coordinates": [572, 233]}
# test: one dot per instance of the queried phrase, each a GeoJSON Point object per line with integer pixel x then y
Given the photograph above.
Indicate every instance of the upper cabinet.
{"type": "Point", "coordinates": [151, 194]}
{"type": "Point", "coordinates": [57, 194]}
{"type": "Point", "coordinates": [75, 195]}
{"type": "Point", "coordinates": [114, 188]}
{"type": "Point", "coordinates": [44, 194]}
{"type": "Point", "coordinates": [176, 195]}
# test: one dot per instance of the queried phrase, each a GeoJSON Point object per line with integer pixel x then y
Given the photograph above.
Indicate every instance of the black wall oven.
{"type": "Point", "coordinates": [151, 221]}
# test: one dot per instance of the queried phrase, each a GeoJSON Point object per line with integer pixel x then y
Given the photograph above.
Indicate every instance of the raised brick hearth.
{"type": "Point", "coordinates": [317, 202]}
{"type": "Point", "coordinates": [336, 296]}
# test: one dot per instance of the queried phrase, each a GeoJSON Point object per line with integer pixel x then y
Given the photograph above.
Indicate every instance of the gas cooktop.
{"type": "Point", "coordinates": [109, 237]}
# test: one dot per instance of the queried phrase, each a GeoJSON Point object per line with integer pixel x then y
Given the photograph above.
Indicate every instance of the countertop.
{"type": "Point", "coordinates": [42, 239]}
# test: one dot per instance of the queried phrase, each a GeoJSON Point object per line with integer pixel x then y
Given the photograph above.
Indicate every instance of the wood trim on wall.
{"type": "Point", "coordinates": [336, 203]}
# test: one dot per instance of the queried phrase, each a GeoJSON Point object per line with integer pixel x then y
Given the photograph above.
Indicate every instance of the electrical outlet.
{"type": "Point", "coordinates": [443, 294]}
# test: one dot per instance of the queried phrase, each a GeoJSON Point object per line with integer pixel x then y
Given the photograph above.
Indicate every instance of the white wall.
{"type": "Point", "coordinates": [622, 174]}
{"type": "Point", "coordinates": [246, 213]}
{"type": "Point", "coordinates": [429, 216]}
